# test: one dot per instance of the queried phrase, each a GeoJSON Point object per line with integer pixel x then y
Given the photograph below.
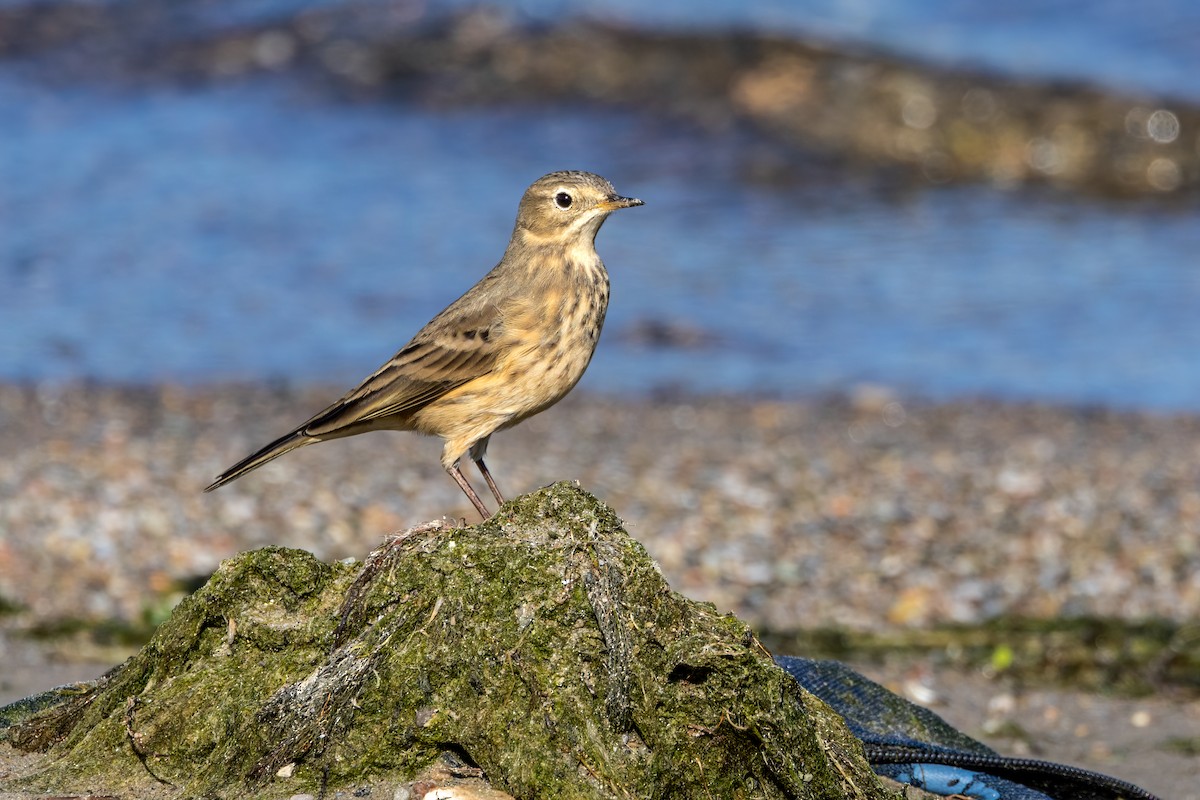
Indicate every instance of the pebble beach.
{"type": "Point", "coordinates": [867, 512]}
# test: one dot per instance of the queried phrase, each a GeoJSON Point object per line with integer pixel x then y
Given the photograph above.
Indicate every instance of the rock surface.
{"type": "Point", "coordinates": [541, 651]}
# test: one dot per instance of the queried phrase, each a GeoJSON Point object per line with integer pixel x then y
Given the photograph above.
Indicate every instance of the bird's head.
{"type": "Point", "coordinates": [568, 207]}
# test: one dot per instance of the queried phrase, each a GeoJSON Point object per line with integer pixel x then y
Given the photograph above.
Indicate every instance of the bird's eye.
{"type": "Point", "coordinates": [562, 200]}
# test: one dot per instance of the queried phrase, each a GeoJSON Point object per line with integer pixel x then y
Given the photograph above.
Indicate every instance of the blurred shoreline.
{"type": "Point", "coordinates": [180, 184]}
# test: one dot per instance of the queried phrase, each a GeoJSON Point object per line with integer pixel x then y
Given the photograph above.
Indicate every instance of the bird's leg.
{"type": "Point", "coordinates": [487, 476]}
{"type": "Point", "coordinates": [456, 473]}
{"type": "Point", "coordinates": [477, 452]}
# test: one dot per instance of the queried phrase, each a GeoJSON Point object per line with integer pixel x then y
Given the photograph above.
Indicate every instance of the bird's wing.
{"type": "Point", "coordinates": [460, 344]}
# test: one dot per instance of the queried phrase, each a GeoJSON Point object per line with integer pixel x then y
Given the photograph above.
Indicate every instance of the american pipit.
{"type": "Point", "coordinates": [512, 346]}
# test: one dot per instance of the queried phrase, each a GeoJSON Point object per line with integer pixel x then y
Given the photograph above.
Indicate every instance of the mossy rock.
{"type": "Point", "coordinates": [540, 652]}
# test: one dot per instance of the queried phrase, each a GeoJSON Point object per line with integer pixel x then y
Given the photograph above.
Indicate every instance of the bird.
{"type": "Point", "coordinates": [510, 347]}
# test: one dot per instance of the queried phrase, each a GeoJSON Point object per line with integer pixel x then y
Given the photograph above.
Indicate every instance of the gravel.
{"type": "Point", "coordinates": [867, 513]}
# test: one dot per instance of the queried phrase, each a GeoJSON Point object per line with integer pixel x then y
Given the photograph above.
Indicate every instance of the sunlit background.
{"type": "Point", "coordinates": [157, 228]}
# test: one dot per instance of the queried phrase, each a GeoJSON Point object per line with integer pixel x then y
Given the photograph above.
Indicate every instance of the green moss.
{"type": "Point", "coordinates": [542, 647]}
{"type": "Point", "coordinates": [1184, 745]}
{"type": "Point", "coordinates": [8, 606]}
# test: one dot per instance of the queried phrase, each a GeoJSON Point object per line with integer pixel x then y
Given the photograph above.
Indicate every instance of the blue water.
{"type": "Point", "coordinates": [254, 229]}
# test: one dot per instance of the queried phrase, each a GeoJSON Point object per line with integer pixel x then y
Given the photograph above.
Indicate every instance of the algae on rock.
{"type": "Point", "coordinates": [542, 648]}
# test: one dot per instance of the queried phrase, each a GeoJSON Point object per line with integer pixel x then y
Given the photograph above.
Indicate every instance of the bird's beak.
{"type": "Point", "coordinates": [615, 201]}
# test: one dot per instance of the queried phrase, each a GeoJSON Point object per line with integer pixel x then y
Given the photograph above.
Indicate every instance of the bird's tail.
{"type": "Point", "coordinates": [284, 444]}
